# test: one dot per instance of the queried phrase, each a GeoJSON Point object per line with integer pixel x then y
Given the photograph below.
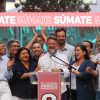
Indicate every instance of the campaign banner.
{"type": "Point", "coordinates": [65, 19]}
{"type": "Point", "coordinates": [49, 86]}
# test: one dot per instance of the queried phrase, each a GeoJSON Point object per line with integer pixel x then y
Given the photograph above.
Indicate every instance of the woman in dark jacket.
{"type": "Point", "coordinates": [21, 86]}
{"type": "Point", "coordinates": [82, 88]}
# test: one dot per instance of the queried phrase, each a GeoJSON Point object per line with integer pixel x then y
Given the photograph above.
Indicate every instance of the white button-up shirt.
{"type": "Point", "coordinates": [97, 58]}
{"type": "Point", "coordinates": [47, 63]}
{"type": "Point", "coordinates": [68, 50]}
{"type": "Point", "coordinates": [4, 73]}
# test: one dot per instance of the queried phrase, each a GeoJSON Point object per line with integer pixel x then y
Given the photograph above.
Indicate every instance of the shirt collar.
{"type": "Point", "coordinates": [50, 54]}
{"type": "Point", "coordinates": [64, 49]}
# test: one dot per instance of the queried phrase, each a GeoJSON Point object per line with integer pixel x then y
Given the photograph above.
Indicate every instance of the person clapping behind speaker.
{"type": "Point", "coordinates": [81, 85]}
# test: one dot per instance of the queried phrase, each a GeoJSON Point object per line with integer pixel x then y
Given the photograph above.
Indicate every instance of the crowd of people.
{"type": "Point", "coordinates": [18, 63]}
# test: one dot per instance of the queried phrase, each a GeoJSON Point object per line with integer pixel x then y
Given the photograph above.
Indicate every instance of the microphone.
{"type": "Point", "coordinates": [52, 54]}
{"type": "Point", "coordinates": [70, 66]}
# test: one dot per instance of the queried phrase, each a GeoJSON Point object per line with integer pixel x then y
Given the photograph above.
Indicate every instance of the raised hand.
{"type": "Point", "coordinates": [10, 64]}
{"type": "Point", "coordinates": [34, 32]}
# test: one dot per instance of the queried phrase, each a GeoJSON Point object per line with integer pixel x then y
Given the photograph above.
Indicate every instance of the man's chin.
{"type": "Point", "coordinates": [37, 54]}
{"type": "Point", "coordinates": [51, 51]}
{"type": "Point", "coordinates": [61, 43]}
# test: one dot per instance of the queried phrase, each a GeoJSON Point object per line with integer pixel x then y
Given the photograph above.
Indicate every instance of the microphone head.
{"type": "Point", "coordinates": [52, 54]}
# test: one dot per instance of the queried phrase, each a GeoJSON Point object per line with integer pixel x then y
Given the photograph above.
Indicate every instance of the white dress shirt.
{"type": "Point", "coordinates": [4, 73]}
{"type": "Point", "coordinates": [5, 93]}
{"type": "Point", "coordinates": [98, 85]}
{"type": "Point", "coordinates": [47, 63]}
{"type": "Point", "coordinates": [68, 50]}
{"type": "Point", "coordinates": [97, 58]}
{"type": "Point", "coordinates": [73, 78]}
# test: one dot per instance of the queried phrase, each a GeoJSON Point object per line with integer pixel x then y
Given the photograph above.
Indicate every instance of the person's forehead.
{"type": "Point", "coordinates": [86, 43]}
{"type": "Point", "coordinates": [51, 40]}
{"type": "Point", "coordinates": [24, 50]}
{"type": "Point", "coordinates": [39, 38]}
{"type": "Point", "coordinates": [61, 32]}
{"type": "Point", "coordinates": [36, 44]}
{"type": "Point", "coordinates": [15, 43]}
{"type": "Point", "coordinates": [2, 44]}
{"type": "Point", "coordinates": [1, 47]}
{"type": "Point", "coordinates": [78, 48]}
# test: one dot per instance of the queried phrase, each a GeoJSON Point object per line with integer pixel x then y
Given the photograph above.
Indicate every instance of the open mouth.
{"type": "Point", "coordinates": [76, 55]}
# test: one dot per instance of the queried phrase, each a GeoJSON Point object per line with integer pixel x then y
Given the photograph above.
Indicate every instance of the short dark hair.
{"type": "Point", "coordinates": [91, 44]}
{"type": "Point", "coordinates": [59, 30]}
{"type": "Point", "coordinates": [51, 38]}
{"type": "Point", "coordinates": [12, 41]}
{"type": "Point", "coordinates": [40, 36]}
{"type": "Point", "coordinates": [36, 42]}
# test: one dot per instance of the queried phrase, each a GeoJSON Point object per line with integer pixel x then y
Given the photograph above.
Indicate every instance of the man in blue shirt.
{"type": "Point", "coordinates": [5, 74]}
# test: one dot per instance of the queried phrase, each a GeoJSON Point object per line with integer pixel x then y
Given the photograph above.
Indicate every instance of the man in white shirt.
{"type": "Point", "coordinates": [49, 63]}
{"type": "Point", "coordinates": [5, 74]}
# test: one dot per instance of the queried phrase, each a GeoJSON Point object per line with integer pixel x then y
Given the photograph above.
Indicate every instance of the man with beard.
{"type": "Point", "coordinates": [63, 47]}
{"type": "Point", "coordinates": [49, 63]}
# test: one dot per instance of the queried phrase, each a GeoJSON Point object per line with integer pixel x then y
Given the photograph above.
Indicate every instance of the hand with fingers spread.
{"type": "Point", "coordinates": [34, 32]}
